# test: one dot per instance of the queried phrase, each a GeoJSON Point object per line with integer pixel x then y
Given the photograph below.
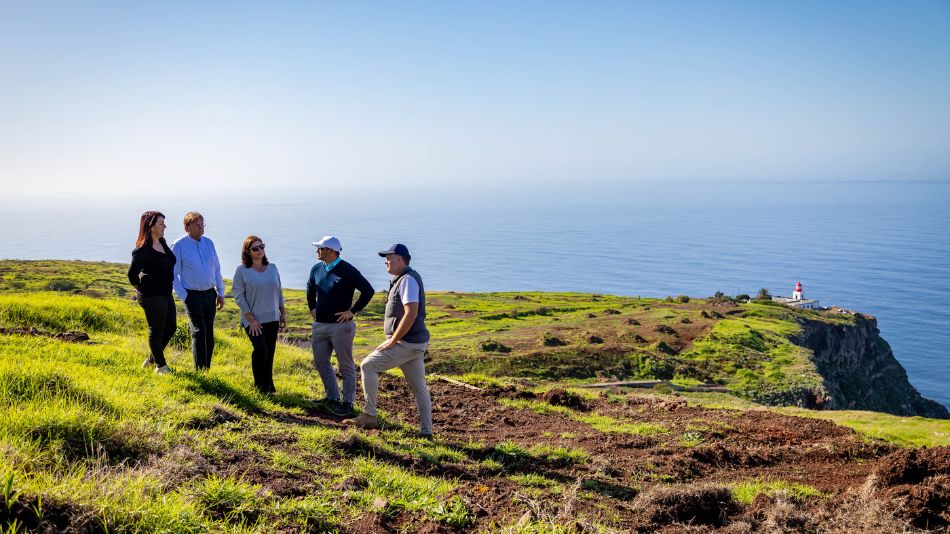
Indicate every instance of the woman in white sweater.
{"type": "Point", "coordinates": [258, 293]}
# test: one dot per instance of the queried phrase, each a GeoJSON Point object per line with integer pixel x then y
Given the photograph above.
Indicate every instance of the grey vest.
{"type": "Point", "coordinates": [395, 309]}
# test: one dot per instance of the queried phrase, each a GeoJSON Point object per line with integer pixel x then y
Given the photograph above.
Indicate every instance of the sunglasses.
{"type": "Point", "coordinates": [258, 247]}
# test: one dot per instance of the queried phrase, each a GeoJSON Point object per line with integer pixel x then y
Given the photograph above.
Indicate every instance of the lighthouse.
{"type": "Point", "coordinates": [798, 294]}
{"type": "Point", "coordinates": [798, 300]}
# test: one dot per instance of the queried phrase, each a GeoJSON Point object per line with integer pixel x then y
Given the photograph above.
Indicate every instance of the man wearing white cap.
{"type": "Point", "coordinates": [330, 291]}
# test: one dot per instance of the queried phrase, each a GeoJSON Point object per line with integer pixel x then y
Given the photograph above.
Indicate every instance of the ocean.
{"type": "Point", "coordinates": [878, 247]}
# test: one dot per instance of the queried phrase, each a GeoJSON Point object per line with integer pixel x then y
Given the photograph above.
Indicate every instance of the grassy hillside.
{"type": "Point", "coordinates": [564, 337]}
{"type": "Point", "coordinates": [90, 441]}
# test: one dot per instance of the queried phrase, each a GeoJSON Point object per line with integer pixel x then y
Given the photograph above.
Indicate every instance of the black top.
{"type": "Point", "coordinates": [332, 292]}
{"type": "Point", "coordinates": [152, 271]}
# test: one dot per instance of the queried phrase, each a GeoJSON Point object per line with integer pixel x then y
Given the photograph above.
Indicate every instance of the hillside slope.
{"type": "Point", "coordinates": [91, 442]}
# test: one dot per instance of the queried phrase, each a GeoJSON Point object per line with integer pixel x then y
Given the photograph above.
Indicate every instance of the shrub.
{"type": "Point", "coordinates": [182, 338]}
{"type": "Point", "coordinates": [61, 285]}
{"type": "Point", "coordinates": [683, 299]}
{"type": "Point", "coordinates": [494, 346]}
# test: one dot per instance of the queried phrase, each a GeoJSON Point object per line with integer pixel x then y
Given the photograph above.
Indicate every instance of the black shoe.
{"type": "Point", "coordinates": [343, 409]}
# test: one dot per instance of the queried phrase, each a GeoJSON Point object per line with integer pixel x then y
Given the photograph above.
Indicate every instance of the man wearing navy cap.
{"type": "Point", "coordinates": [330, 291]}
{"type": "Point", "coordinates": [406, 343]}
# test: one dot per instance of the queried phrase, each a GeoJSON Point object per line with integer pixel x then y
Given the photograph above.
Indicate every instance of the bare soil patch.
{"type": "Point", "coordinates": [920, 480]}
{"type": "Point", "coordinates": [72, 337]}
{"type": "Point", "coordinates": [674, 483]}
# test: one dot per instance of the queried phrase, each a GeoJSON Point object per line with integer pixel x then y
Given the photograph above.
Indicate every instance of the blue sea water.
{"type": "Point", "coordinates": [881, 248]}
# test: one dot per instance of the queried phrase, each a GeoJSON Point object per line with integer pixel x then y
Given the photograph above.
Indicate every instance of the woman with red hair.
{"type": "Point", "coordinates": [151, 274]}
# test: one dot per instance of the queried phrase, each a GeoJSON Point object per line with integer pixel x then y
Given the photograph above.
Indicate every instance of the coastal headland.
{"type": "Point", "coordinates": [760, 417]}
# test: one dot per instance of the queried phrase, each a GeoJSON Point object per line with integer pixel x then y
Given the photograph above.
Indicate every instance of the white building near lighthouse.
{"type": "Point", "coordinates": [798, 300]}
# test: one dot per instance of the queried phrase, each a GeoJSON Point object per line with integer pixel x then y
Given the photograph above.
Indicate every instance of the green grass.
{"type": "Point", "coordinates": [59, 313]}
{"type": "Point", "coordinates": [691, 438]}
{"type": "Point", "coordinates": [559, 455]}
{"type": "Point", "coordinates": [746, 492]}
{"type": "Point", "coordinates": [599, 422]}
{"type": "Point", "coordinates": [903, 431]}
{"type": "Point", "coordinates": [83, 426]}
{"type": "Point", "coordinates": [533, 480]}
{"type": "Point", "coordinates": [752, 355]}
{"type": "Point", "coordinates": [405, 491]}
{"type": "Point", "coordinates": [230, 500]}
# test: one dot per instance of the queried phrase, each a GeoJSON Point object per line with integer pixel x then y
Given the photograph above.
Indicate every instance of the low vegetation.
{"type": "Point", "coordinates": [90, 441]}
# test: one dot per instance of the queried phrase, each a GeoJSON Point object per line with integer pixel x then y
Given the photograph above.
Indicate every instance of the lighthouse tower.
{"type": "Point", "coordinates": [798, 294]}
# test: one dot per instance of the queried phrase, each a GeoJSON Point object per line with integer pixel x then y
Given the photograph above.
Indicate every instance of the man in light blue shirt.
{"type": "Point", "coordinates": [199, 284]}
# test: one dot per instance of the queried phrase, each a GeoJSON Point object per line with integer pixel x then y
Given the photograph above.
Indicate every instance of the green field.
{"type": "Point", "coordinates": [86, 432]}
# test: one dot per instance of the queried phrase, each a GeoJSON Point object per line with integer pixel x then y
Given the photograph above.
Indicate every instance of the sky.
{"type": "Point", "coordinates": [107, 99]}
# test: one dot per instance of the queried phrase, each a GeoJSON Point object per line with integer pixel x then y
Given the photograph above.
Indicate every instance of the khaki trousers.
{"type": "Point", "coordinates": [409, 358]}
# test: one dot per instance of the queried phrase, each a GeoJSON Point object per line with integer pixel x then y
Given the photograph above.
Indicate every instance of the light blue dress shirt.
{"type": "Point", "coordinates": [329, 266]}
{"type": "Point", "coordinates": [197, 268]}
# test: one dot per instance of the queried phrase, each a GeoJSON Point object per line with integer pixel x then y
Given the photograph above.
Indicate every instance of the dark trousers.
{"type": "Point", "coordinates": [201, 309]}
{"type": "Point", "coordinates": [262, 358]}
{"type": "Point", "coordinates": [160, 316]}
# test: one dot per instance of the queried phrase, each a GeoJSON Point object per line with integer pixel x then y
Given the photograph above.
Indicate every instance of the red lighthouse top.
{"type": "Point", "coordinates": [798, 286]}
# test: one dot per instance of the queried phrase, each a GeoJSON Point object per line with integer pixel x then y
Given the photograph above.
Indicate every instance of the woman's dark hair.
{"type": "Point", "coordinates": [246, 251]}
{"type": "Point", "coordinates": [149, 218]}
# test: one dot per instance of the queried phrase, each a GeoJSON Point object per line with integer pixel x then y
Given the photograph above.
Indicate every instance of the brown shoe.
{"type": "Point", "coordinates": [362, 421]}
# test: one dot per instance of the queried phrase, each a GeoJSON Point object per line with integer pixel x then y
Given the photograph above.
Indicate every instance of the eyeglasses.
{"type": "Point", "coordinates": [258, 247]}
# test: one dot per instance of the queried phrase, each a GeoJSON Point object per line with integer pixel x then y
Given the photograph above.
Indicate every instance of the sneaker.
{"type": "Point", "coordinates": [362, 421]}
{"type": "Point", "coordinates": [343, 409]}
{"type": "Point", "coordinates": [425, 436]}
{"type": "Point", "coordinates": [163, 370]}
{"type": "Point", "coordinates": [148, 362]}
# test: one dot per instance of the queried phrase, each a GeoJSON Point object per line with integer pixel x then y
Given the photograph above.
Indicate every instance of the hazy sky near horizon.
{"type": "Point", "coordinates": [114, 98]}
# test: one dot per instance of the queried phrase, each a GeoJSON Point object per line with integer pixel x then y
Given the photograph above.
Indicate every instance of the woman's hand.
{"type": "Point", "coordinates": [255, 328]}
{"type": "Point", "coordinates": [283, 320]}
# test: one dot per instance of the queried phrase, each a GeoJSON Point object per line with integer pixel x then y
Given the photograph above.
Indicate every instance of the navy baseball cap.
{"type": "Point", "coordinates": [396, 248]}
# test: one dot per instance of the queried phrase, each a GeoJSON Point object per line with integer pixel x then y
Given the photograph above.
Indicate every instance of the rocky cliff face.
{"type": "Point", "coordinates": [860, 371]}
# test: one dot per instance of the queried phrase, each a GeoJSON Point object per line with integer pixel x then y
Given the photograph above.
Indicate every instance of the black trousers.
{"type": "Point", "coordinates": [160, 316]}
{"type": "Point", "coordinates": [262, 358]}
{"type": "Point", "coordinates": [201, 309]}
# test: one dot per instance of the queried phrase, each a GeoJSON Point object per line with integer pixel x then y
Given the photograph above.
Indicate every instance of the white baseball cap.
{"type": "Point", "coordinates": [328, 241]}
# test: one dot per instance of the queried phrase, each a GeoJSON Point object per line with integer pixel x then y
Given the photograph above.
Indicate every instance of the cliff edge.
{"type": "Point", "coordinates": [859, 370]}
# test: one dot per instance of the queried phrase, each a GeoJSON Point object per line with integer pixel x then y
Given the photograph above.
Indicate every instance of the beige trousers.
{"type": "Point", "coordinates": [409, 358]}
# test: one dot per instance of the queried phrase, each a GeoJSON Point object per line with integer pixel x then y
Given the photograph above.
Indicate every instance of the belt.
{"type": "Point", "coordinates": [200, 290]}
